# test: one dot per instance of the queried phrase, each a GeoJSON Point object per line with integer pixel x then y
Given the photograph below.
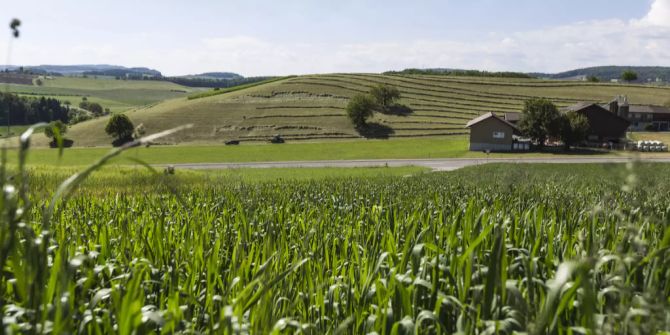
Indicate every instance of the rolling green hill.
{"type": "Point", "coordinates": [312, 107]}
{"type": "Point", "coordinates": [118, 95]}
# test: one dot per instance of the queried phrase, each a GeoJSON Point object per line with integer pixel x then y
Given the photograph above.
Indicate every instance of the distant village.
{"type": "Point", "coordinates": [608, 125]}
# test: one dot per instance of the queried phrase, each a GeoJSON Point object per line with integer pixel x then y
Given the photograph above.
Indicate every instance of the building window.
{"type": "Point", "coordinates": [499, 134]}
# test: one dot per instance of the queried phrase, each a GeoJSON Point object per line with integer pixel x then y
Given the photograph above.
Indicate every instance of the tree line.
{"type": "Point", "coordinates": [26, 111]}
{"type": "Point", "coordinates": [462, 73]}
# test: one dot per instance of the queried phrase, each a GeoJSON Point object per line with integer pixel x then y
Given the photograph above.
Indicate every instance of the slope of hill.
{"type": "Point", "coordinates": [313, 107]}
{"type": "Point", "coordinates": [118, 95]}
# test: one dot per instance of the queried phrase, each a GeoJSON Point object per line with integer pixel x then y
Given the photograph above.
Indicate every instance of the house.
{"type": "Point", "coordinates": [604, 125]}
{"type": "Point", "coordinates": [491, 133]}
{"type": "Point", "coordinates": [641, 117]}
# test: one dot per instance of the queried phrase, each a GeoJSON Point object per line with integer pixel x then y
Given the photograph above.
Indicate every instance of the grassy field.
{"type": "Point", "coordinates": [536, 249]}
{"type": "Point", "coordinates": [651, 136]}
{"type": "Point", "coordinates": [412, 148]}
{"type": "Point", "coordinates": [450, 147]}
{"type": "Point", "coordinates": [313, 107]}
{"type": "Point", "coordinates": [13, 130]}
{"type": "Point", "coordinates": [118, 95]}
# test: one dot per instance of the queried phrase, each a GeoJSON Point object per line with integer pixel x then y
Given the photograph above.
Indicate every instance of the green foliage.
{"type": "Point", "coordinates": [120, 127]}
{"type": "Point", "coordinates": [92, 107]}
{"type": "Point", "coordinates": [360, 108]}
{"type": "Point", "coordinates": [55, 126]}
{"type": "Point", "coordinates": [385, 95]}
{"type": "Point", "coordinates": [462, 73]}
{"type": "Point", "coordinates": [592, 79]}
{"type": "Point", "coordinates": [540, 120]}
{"type": "Point", "coordinates": [574, 128]}
{"type": "Point", "coordinates": [28, 110]}
{"type": "Point", "coordinates": [629, 76]}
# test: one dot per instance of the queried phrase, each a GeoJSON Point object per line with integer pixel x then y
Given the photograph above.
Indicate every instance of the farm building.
{"type": "Point", "coordinates": [492, 133]}
{"type": "Point", "coordinates": [641, 117]}
{"type": "Point", "coordinates": [604, 125]}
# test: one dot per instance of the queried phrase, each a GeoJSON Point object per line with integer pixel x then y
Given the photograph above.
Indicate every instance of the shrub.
{"type": "Point", "coordinates": [55, 126]}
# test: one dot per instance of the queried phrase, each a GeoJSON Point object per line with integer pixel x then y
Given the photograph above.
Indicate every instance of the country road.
{"type": "Point", "coordinates": [434, 164]}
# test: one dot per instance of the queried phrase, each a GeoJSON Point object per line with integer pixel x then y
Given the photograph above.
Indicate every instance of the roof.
{"type": "Point", "coordinates": [512, 116]}
{"type": "Point", "coordinates": [580, 106]}
{"type": "Point", "coordinates": [486, 117]}
{"type": "Point", "coordinates": [648, 109]}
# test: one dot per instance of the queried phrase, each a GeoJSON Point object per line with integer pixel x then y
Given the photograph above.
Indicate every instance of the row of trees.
{"type": "Point", "coordinates": [380, 98]}
{"type": "Point", "coordinates": [627, 76]}
{"type": "Point", "coordinates": [25, 111]}
{"type": "Point", "coordinates": [542, 120]}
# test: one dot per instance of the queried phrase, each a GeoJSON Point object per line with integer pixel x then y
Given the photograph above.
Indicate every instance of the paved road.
{"type": "Point", "coordinates": [435, 164]}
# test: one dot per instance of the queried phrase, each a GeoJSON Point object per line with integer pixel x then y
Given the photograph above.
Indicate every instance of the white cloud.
{"type": "Point", "coordinates": [659, 13]}
{"type": "Point", "coordinates": [644, 41]}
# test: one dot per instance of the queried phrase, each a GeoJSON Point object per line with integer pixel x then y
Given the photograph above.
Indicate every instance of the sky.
{"type": "Point", "coordinates": [273, 37]}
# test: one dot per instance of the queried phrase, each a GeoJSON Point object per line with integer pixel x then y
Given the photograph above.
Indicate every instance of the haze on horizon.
{"type": "Point", "coordinates": [299, 36]}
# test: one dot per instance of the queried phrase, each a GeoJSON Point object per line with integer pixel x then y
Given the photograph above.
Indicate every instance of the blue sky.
{"type": "Point", "coordinates": [257, 37]}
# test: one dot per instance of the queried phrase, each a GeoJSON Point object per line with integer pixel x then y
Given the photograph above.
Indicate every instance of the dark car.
{"type": "Point", "coordinates": [232, 142]}
{"type": "Point", "coordinates": [277, 139]}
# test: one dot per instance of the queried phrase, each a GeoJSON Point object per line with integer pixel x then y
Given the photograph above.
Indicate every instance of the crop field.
{"type": "Point", "coordinates": [118, 95]}
{"type": "Point", "coordinates": [312, 107]}
{"type": "Point", "coordinates": [537, 249]}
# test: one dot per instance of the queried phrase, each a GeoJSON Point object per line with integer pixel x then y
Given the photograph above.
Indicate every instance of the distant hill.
{"type": "Point", "coordinates": [94, 70]}
{"type": "Point", "coordinates": [607, 73]}
{"type": "Point", "coordinates": [604, 73]}
{"type": "Point", "coordinates": [215, 75]}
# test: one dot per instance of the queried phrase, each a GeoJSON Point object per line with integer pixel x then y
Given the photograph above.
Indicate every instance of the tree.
{"type": "Point", "coordinates": [385, 95]}
{"type": "Point", "coordinates": [629, 76]}
{"type": "Point", "coordinates": [38, 82]}
{"type": "Point", "coordinates": [360, 108]}
{"type": "Point", "coordinates": [50, 130]}
{"type": "Point", "coordinates": [92, 107]}
{"type": "Point", "coordinates": [121, 128]}
{"type": "Point", "coordinates": [593, 79]}
{"type": "Point", "coordinates": [540, 120]}
{"type": "Point", "coordinates": [574, 128]}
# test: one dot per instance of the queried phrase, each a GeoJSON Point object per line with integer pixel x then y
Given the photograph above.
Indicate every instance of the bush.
{"type": "Point", "coordinates": [92, 107]}
{"type": "Point", "coordinates": [55, 126]}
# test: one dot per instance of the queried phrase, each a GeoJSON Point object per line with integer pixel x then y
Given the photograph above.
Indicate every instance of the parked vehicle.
{"type": "Point", "coordinates": [651, 146]}
{"type": "Point", "coordinates": [277, 139]}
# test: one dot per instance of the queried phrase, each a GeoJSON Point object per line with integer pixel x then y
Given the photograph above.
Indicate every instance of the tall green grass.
{"type": "Point", "coordinates": [490, 250]}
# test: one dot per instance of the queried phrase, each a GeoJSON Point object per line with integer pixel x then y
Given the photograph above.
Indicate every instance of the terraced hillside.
{"type": "Point", "coordinates": [313, 107]}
